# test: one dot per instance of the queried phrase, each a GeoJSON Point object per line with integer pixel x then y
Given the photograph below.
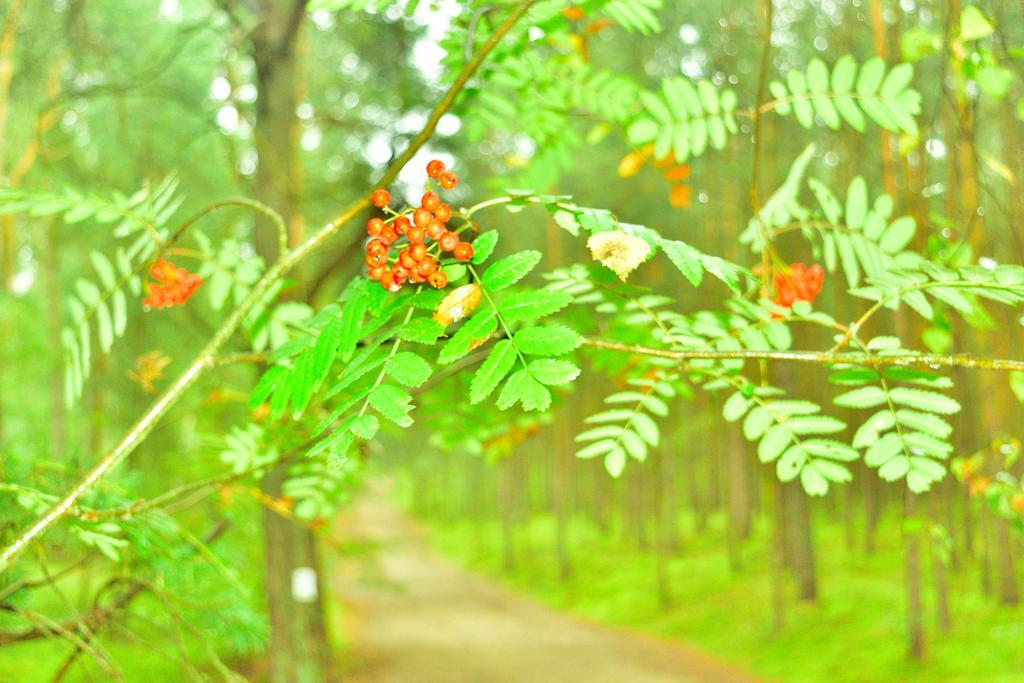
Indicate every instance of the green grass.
{"type": "Point", "coordinates": [854, 633]}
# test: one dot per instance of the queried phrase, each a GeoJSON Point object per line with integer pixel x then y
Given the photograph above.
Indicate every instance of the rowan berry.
{"type": "Point", "coordinates": [435, 229]}
{"type": "Point", "coordinates": [421, 217]}
{"type": "Point", "coordinates": [438, 280]}
{"type": "Point", "coordinates": [463, 251]}
{"type": "Point", "coordinates": [388, 235]}
{"type": "Point", "coordinates": [435, 168]}
{"type": "Point", "coordinates": [443, 213]}
{"type": "Point", "coordinates": [387, 281]}
{"type": "Point", "coordinates": [415, 276]}
{"type": "Point", "coordinates": [401, 273]}
{"type": "Point", "coordinates": [427, 267]}
{"type": "Point", "coordinates": [430, 201]}
{"type": "Point", "coordinates": [449, 180]}
{"type": "Point", "coordinates": [376, 246]}
{"type": "Point", "coordinates": [448, 240]}
{"type": "Point", "coordinates": [376, 259]}
{"type": "Point", "coordinates": [416, 235]}
{"type": "Point", "coordinates": [376, 272]}
{"type": "Point", "coordinates": [405, 258]}
{"type": "Point", "coordinates": [380, 198]}
{"type": "Point", "coordinates": [374, 226]}
{"type": "Point", "coordinates": [418, 252]}
{"type": "Point", "coordinates": [401, 225]}
{"type": "Point", "coordinates": [798, 283]}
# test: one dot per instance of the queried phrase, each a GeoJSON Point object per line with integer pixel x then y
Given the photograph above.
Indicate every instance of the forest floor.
{"type": "Point", "coordinates": [411, 615]}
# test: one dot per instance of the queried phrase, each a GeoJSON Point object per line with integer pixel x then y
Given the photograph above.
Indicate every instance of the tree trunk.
{"type": "Point", "coordinates": [739, 497]}
{"type": "Point", "coordinates": [912, 579]}
{"type": "Point", "coordinates": [299, 650]}
{"type": "Point", "coordinates": [940, 561]}
{"type": "Point", "coordinates": [806, 574]}
{"type": "Point", "coordinates": [563, 498]}
{"type": "Point", "coordinates": [778, 554]}
{"type": "Point", "coordinates": [298, 636]}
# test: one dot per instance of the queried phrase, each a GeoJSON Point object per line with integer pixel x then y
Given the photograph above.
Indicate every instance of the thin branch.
{"type": "Point", "coordinates": [927, 360]}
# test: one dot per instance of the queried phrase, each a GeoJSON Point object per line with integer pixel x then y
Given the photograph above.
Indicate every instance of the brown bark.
{"type": "Point", "coordinates": [912, 580]}
{"type": "Point", "coordinates": [804, 569]}
{"type": "Point", "coordinates": [299, 651]}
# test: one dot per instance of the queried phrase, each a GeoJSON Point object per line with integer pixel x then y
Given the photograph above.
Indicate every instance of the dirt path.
{"type": "Point", "coordinates": [414, 617]}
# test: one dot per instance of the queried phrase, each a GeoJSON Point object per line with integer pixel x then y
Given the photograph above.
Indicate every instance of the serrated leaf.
{"type": "Point", "coordinates": [735, 407]}
{"type": "Point", "coordinates": [533, 304]}
{"type": "Point", "coordinates": [393, 403]}
{"type": "Point", "coordinates": [813, 482]}
{"type": "Point", "coordinates": [483, 246]}
{"type": "Point", "coordinates": [421, 331]}
{"type": "Point", "coordinates": [547, 340]}
{"type": "Point", "coordinates": [510, 270]}
{"type": "Point", "coordinates": [498, 363]}
{"type": "Point", "coordinates": [365, 427]}
{"type": "Point", "coordinates": [927, 401]}
{"type": "Point", "coordinates": [773, 443]}
{"type": "Point", "coordinates": [553, 372]}
{"type": "Point", "coordinates": [865, 397]}
{"type": "Point", "coordinates": [473, 332]}
{"type": "Point", "coordinates": [408, 369]}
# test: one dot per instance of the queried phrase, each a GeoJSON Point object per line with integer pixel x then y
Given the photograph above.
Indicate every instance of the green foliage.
{"type": "Point", "coordinates": [100, 310]}
{"type": "Point", "coordinates": [630, 429]}
{"type": "Point", "coordinates": [859, 235]}
{"type": "Point", "coordinates": [791, 433]}
{"type": "Point", "coordinates": [848, 94]}
{"type": "Point", "coordinates": [528, 384]}
{"type": "Point", "coordinates": [906, 437]}
{"type": "Point", "coordinates": [684, 119]}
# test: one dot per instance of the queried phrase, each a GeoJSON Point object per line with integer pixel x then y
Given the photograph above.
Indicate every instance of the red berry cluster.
{"type": "Point", "coordinates": [798, 283]}
{"type": "Point", "coordinates": [426, 235]}
{"type": "Point", "coordinates": [173, 285]}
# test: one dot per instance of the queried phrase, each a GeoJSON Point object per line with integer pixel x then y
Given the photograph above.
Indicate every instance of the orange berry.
{"type": "Point", "coordinates": [416, 235]}
{"type": "Point", "coordinates": [435, 168]}
{"type": "Point", "coordinates": [463, 251]}
{"type": "Point", "coordinates": [427, 267]}
{"type": "Point", "coordinates": [374, 226]}
{"type": "Point", "coordinates": [388, 235]}
{"type": "Point", "coordinates": [430, 201]}
{"type": "Point", "coordinates": [380, 198]}
{"type": "Point", "coordinates": [421, 217]}
{"type": "Point", "coordinates": [448, 240]}
{"type": "Point", "coordinates": [418, 251]}
{"type": "Point", "coordinates": [387, 281]}
{"type": "Point", "coordinates": [406, 259]}
{"type": "Point", "coordinates": [401, 225]}
{"type": "Point", "coordinates": [443, 213]}
{"type": "Point", "coordinates": [435, 230]}
{"type": "Point", "coordinates": [376, 259]}
{"type": "Point", "coordinates": [376, 272]}
{"type": "Point", "coordinates": [449, 180]}
{"type": "Point", "coordinates": [438, 280]}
